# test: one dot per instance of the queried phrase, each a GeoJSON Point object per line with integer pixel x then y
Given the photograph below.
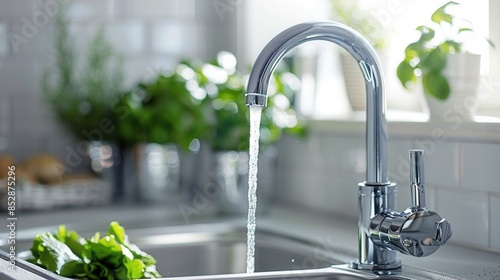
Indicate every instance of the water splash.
{"type": "Point", "coordinates": [255, 114]}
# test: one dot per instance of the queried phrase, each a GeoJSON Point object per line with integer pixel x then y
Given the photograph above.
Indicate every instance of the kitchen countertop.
{"type": "Point", "coordinates": [336, 232]}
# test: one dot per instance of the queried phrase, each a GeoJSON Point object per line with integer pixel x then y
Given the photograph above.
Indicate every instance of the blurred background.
{"type": "Point", "coordinates": [106, 101]}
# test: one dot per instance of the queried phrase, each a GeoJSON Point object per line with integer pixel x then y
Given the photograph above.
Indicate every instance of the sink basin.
{"type": "Point", "coordinates": [223, 251]}
{"type": "Point", "coordinates": [218, 251]}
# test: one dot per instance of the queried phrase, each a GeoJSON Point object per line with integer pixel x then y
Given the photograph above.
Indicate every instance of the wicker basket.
{"type": "Point", "coordinates": [74, 193]}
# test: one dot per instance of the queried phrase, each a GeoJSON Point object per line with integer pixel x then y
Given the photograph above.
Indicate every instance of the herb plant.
{"type": "Point", "coordinates": [225, 99]}
{"type": "Point", "coordinates": [163, 111]}
{"type": "Point", "coordinates": [110, 257]}
{"type": "Point", "coordinates": [81, 97]}
{"type": "Point", "coordinates": [425, 59]}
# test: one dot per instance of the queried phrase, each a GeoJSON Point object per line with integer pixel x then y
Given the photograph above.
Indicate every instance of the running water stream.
{"type": "Point", "coordinates": [255, 113]}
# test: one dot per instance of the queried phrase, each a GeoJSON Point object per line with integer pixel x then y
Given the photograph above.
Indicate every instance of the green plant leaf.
{"type": "Point", "coordinates": [112, 256]}
{"type": "Point", "coordinates": [405, 73]}
{"type": "Point", "coordinates": [435, 61]}
{"type": "Point", "coordinates": [118, 231]}
{"type": "Point", "coordinates": [464, 29]}
{"type": "Point", "coordinates": [131, 269]}
{"type": "Point", "coordinates": [73, 268]}
{"type": "Point", "coordinates": [426, 34]}
{"type": "Point", "coordinates": [429, 53]}
{"type": "Point", "coordinates": [436, 85]}
{"type": "Point", "coordinates": [51, 253]}
{"type": "Point", "coordinates": [108, 250]}
{"type": "Point", "coordinates": [413, 50]}
{"type": "Point", "coordinates": [440, 15]}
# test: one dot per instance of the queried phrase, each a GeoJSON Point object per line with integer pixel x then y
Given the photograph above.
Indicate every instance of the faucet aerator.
{"type": "Point", "coordinates": [256, 100]}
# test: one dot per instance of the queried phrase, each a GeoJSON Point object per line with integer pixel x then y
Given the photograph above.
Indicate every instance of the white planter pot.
{"type": "Point", "coordinates": [354, 82]}
{"type": "Point", "coordinates": [462, 72]}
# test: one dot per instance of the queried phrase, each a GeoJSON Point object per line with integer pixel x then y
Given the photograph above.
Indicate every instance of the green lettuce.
{"type": "Point", "coordinates": [110, 257]}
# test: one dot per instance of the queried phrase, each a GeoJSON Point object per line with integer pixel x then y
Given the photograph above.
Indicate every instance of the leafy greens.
{"type": "Point", "coordinates": [110, 257]}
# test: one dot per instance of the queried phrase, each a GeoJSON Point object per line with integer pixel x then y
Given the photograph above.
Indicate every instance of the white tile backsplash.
{"type": "Point", "coordinates": [5, 116]}
{"type": "Point", "coordinates": [299, 151]}
{"type": "Point", "coordinates": [127, 37]}
{"type": "Point", "coordinates": [495, 222]}
{"type": "Point", "coordinates": [213, 38]}
{"type": "Point", "coordinates": [19, 78]}
{"type": "Point", "coordinates": [27, 116]}
{"type": "Point", "coordinates": [145, 68]}
{"type": "Point", "coordinates": [4, 41]}
{"type": "Point", "coordinates": [90, 9]}
{"type": "Point", "coordinates": [343, 153]}
{"type": "Point", "coordinates": [321, 183]}
{"type": "Point", "coordinates": [154, 9]}
{"type": "Point", "coordinates": [442, 165]}
{"type": "Point", "coordinates": [30, 39]}
{"type": "Point", "coordinates": [468, 215]}
{"type": "Point", "coordinates": [341, 194]}
{"type": "Point", "coordinates": [398, 161]}
{"type": "Point", "coordinates": [479, 166]}
{"type": "Point", "coordinates": [16, 9]}
{"type": "Point", "coordinates": [172, 37]}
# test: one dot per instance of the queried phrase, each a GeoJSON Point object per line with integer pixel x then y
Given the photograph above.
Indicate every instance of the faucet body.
{"type": "Point", "coordinates": [376, 195]}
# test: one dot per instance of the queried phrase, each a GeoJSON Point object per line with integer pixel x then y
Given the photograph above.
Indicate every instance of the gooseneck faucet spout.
{"type": "Point", "coordinates": [379, 234]}
{"type": "Point", "coordinates": [368, 61]}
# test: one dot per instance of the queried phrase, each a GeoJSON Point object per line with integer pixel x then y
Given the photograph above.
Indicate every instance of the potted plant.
{"type": "Point", "coordinates": [442, 65]}
{"type": "Point", "coordinates": [230, 132]}
{"type": "Point", "coordinates": [81, 97]}
{"type": "Point", "coordinates": [351, 14]}
{"type": "Point", "coordinates": [161, 120]}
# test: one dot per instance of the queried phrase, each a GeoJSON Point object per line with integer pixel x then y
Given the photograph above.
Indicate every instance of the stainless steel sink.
{"type": "Point", "coordinates": [223, 251]}
{"type": "Point", "coordinates": [218, 251]}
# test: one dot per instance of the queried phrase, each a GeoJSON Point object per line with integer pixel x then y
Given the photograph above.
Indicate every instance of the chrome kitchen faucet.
{"type": "Point", "coordinates": [382, 231]}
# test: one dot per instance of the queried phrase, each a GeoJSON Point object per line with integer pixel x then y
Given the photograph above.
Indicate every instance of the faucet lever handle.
{"type": "Point", "coordinates": [417, 178]}
{"type": "Point", "coordinates": [416, 231]}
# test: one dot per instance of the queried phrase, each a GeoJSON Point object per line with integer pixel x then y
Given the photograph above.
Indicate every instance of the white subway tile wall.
{"type": "Point", "coordinates": [19, 78]}
{"type": "Point", "coordinates": [495, 221]}
{"type": "Point", "coordinates": [4, 46]}
{"type": "Point", "coordinates": [128, 37]}
{"type": "Point", "coordinates": [461, 179]}
{"type": "Point", "coordinates": [151, 35]}
{"type": "Point", "coordinates": [467, 213]}
{"type": "Point", "coordinates": [90, 9]}
{"type": "Point", "coordinates": [480, 167]}
{"type": "Point", "coordinates": [443, 165]}
{"type": "Point", "coordinates": [17, 8]}
{"type": "Point", "coordinates": [154, 9]}
{"type": "Point", "coordinates": [172, 37]}
{"type": "Point", "coordinates": [399, 170]}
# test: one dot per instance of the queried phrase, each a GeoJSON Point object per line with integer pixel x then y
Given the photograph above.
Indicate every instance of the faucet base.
{"type": "Point", "coordinates": [379, 269]}
{"type": "Point", "coordinates": [374, 199]}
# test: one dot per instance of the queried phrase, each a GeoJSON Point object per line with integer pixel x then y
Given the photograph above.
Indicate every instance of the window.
{"type": "Point", "coordinates": [324, 79]}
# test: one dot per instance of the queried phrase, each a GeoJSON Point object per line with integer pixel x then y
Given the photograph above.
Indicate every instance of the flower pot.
{"type": "Point", "coordinates": [157, 171]}
{"type": "Point", "coordinates": [354, 82]}
{"type": "Point", "coordinates": [462, 72]}
{"type": "Point", "coordinates": [106, 161]}
{"type": "Point", "coordinates": [230, 176]}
